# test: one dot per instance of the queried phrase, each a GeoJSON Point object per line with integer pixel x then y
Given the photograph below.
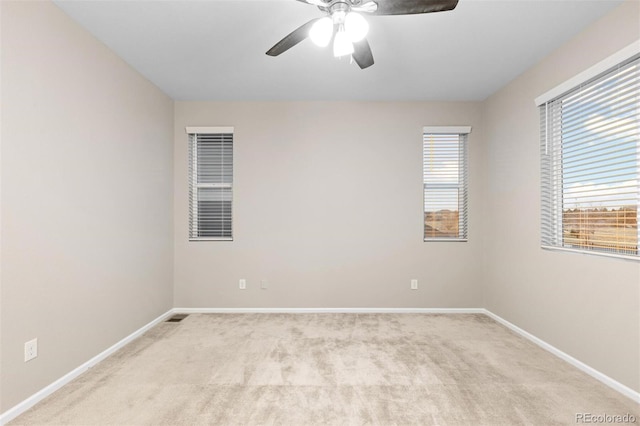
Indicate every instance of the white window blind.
{"type": "Point", "coordinates": [210, 184]}
{"type": "Point", "coordinates": [590, 159]}
{"type": "Point", "coordinates": [445, 183]}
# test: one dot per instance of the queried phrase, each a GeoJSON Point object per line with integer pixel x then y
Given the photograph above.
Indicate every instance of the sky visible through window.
{"type": "Point", "coordinates": [601, 162]}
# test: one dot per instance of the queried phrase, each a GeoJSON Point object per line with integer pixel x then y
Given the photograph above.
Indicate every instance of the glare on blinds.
{"type": "Point", "coordinates": [590, 151]}
{"type": "Point", "coordinates": [445, 186]}
{"type": "Point", "coordinates": [211, 185]}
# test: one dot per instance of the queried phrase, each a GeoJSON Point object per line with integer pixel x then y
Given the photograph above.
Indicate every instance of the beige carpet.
{"type": "Point", "coordinates": [336, 369]}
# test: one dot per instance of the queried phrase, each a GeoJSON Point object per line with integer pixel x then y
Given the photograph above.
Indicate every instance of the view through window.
{"type": "Point", "coordinates": [591, 164]}
{"type": "Point", "coordinates": [445, 183]}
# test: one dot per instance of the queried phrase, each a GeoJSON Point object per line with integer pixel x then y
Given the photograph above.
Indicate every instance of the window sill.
{"type": "Point", "coordinates": [209, 239]}
{"type": "Point", "coordinates": [453, 240]}
{"type": "Point", "coordinates": [633, 258]}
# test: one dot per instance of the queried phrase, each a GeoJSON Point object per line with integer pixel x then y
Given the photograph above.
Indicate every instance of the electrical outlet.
{"type": "Point", "coordinates": [30, 350]}
{"type": "Point", "coordinates": [243, 284]}
{"type": "Point", "coordinates": [264, 284]}
{"type": "Point", "coordinates": [414, 284]}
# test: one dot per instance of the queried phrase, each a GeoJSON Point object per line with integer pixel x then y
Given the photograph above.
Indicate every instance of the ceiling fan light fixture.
{"type": "Point", "coordinates": [342, 45]}
{"type": "Point", "coordinates": [356, 26]}
{"type": "Point", "coordinates": [321, 32]}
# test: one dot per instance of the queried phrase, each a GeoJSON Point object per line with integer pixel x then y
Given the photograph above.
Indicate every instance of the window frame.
{"type": "Point", "coordinates": [552, 224]}
{"type": "Point", "coordinates": [194, 186]}
{"type": "Point", "coordinates": [462, 132]}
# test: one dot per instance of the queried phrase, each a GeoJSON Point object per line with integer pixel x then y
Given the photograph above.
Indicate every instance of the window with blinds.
{"type": "Point", "coordinates": [590, 152]}
{"type": "Point", "coordinates": [444, 162]}
{"type": "Point", "coordinates": [210, 183]}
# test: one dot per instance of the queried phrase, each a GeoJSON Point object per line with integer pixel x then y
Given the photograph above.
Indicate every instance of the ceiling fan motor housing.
{"type": "Point", "coordinates": [345, 6]}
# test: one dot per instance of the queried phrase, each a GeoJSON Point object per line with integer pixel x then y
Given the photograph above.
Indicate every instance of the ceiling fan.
{"type": "Point", "coordinates": [347, 27]}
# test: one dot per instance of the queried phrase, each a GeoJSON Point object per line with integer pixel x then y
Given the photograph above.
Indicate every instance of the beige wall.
{"type": "Point", "coordinates": [86, 197]}
{"type": "Point", "coordinates": [587, 306]}
{"type": "Point", "coordinates": [328, 209]}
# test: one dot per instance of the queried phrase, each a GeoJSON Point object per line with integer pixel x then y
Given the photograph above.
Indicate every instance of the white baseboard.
{"type": "Point", "coordinates": [23, 406]}
{"type": "Point", "coordinates": [328, 310]}
{"type": "Point", "coordinates": [614, 384]}
{"type": "Point", "coordinates": [20, 408]}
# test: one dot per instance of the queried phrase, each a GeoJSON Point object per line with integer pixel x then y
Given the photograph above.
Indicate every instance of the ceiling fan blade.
{"type": "Point", "coordinates": [411, 7]}
{"type": "Point", "coordinates": [292, 39]}
{"type": "Point", "coordinates": [314, 2]}
{"type": "Point", "coordinates": [362, 54]}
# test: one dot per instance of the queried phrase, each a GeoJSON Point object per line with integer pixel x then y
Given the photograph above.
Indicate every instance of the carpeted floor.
{"type": "Point", "coordinates": [333, 369]}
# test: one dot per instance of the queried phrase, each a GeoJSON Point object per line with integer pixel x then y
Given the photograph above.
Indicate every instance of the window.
{"type": "Point", "coordinates": [590, 158]}
{"type": "Point", "coordinates": [210, 183]}
{"type": "Point", "coordinates": [445, 183]}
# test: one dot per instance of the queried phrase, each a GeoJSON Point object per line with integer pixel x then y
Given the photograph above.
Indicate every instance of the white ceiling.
{"type": "Point", "coordinates": [215, 49]}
